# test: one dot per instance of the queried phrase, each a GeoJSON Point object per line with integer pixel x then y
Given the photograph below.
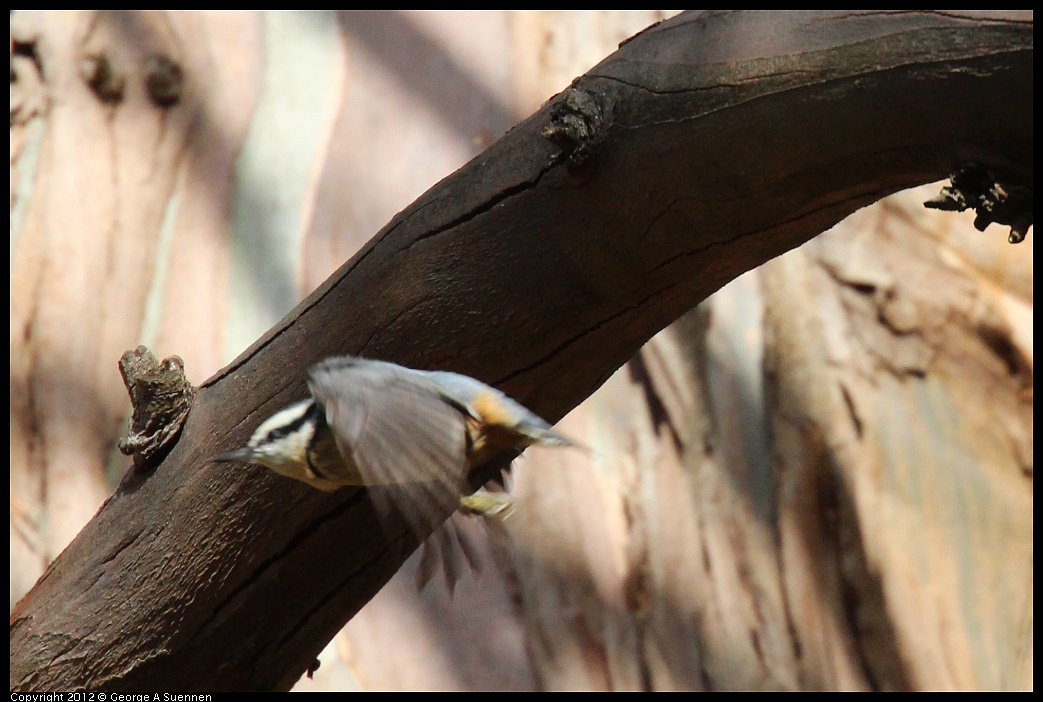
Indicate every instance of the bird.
{"type": "Point", "coordinates": [376, 423]}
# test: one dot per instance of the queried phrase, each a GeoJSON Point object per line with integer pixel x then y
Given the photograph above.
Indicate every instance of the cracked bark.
{"type": "Point", "coordinates": [731, 139]}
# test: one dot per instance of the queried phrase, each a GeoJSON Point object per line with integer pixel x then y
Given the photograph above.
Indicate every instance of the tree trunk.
{"type": "Point", "coordinates": [702, 148]}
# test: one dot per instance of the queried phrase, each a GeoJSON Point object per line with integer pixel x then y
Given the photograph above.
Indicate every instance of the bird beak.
{"type": "Point", "coordinates": [243, 455]}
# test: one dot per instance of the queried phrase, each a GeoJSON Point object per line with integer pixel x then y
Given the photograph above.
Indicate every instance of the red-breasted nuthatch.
{"type": "Point", "coordinates": [377, 423]}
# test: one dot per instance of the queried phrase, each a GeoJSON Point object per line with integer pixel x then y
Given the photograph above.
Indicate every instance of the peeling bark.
{"type": "Point", "coordinates": [724, 140]}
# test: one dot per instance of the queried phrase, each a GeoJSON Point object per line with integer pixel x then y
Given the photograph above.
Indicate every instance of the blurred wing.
{"type": "Point", "coordinates": [400, 428]}
{"type": "Point", "coordinates": [452, 550]}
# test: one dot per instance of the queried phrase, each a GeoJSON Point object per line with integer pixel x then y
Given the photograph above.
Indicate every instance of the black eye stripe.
{"type": "Point", "coordinates": [313, 413]}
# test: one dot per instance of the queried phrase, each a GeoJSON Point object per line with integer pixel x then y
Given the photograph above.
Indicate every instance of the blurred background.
{"type": "Point", "coordinates": [820, 478]}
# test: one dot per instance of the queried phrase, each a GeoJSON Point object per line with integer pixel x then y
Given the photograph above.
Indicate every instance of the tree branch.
{"type": "Point", "coordinates": [705, 146]}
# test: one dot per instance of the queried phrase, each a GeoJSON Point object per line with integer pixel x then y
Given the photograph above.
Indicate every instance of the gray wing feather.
{"type": "Point", "coordinates": [528, 423]}
{"type": "Point", "coordinates": [399, 427]}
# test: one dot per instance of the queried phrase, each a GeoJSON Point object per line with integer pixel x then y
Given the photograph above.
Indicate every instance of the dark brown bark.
{"type": "Point", "coordinates": [702, 148]}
